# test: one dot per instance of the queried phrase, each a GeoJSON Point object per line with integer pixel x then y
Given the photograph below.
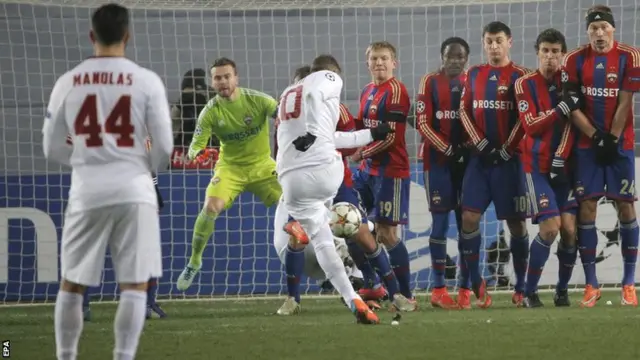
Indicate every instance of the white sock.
{"type": "Point", "coordinates": [330, 262]}
{"type": "Point", "coordinates": [68, 322]}
{"type": "Point", "coordinates": [129, 322]}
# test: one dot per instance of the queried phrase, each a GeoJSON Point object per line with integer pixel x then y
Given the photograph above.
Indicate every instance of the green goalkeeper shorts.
{"type": "Point", "coordinates": [229, 181]}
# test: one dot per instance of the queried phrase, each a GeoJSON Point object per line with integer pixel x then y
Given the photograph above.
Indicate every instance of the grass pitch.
{"type": "Point", "coordinates": [248, 330]}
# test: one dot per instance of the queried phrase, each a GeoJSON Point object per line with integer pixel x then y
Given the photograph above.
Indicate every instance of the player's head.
{"type": "Point", "coordinates": [381, 60]}
{"type": "Point", "coordinates": [600, 27]}
{"type": "Point", "coordinates": [110, 27]}
{"type": "Point", "coordinates": [496, 41]}
{"type": "Point", "coordinates": [224, 76]}
{"type": "Point", "coordinates": [301, 73]}
{"type": "Point", "coordinates": [325, 62]}
{"type": "Point", "coordinates": [550, 48]}
{"type": "Point", "coordinates": [454, 52]}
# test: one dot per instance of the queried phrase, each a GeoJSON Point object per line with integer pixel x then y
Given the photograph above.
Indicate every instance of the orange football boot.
{"type": "Point", "coordinates": [464, 298]}
{"type": "Point", "coordinates": [629, 297]}
{"type": "Point", "coordinates": [484, 299]}
{"type": "Point", "coordinates": [373, 294]}
{"type": "Point", "coordinates": [363, 313]}
{"type": "Point", "coordinates": [294, 229]}
{"type": "Point", "coordinates": [517, 298]}
{"type": "Point", "coordinates": [440, 299]}
{"type": "Point", "coordinates": [591, 296]}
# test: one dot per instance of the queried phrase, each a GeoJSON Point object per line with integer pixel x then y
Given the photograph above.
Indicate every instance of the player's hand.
{"type": "Point", "coordinates": [455, 154]}
{"type": "Point", "coordinates": [605, 146]}
{"type": "Point", "coordinates": [483, 147]}
{"type": "Point", "coordinates": [496, 157]}
{"type": "Point", "coordinates": [304, 142]}
{"type": "Point", "coordinates": [381, 131]}
{"type": "Point", "coordinates": [570, 102]}
{"type": "Point", "coordinates": [558, 175]}
{"type": "Point", "coordinates": [205, 155]}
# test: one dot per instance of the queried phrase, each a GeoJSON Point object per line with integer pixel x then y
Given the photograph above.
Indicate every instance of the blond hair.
{"type": "Point", "coordinates": [381, 45]}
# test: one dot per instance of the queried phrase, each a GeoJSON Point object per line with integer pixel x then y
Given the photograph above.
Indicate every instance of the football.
{"type": "Point", "coordinates": [345, 220]}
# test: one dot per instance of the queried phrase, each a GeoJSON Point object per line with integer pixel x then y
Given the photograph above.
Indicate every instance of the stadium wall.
{"type": "Point", "coordinates": [240, 259]}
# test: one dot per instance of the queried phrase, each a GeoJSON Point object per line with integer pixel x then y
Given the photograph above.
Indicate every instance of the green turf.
{"type": "Point", "coordinates": [325, 330]}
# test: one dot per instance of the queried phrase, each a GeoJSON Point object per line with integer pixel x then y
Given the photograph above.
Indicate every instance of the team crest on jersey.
{"type": "Point", "coordinates": [502, 88]}
{"type": "Point", "coordinates": [579, 188]}
{"type": "Point", "coordinates": [373, 109]}
{"type": "Point", "coordinates": [215, 180]}
{"type": "Point", "coordinates": [435, 198]}
{"type": "Point", "coordinates": [544, 201]}
{"type": "Point", "coordinates": [248, 120]}
{"type": "Point", "coordinates": [420, 107]}
{"type": "Point", "coordinates": [612, 75]}
{"type": "Point", "coordinates": [523, 106]}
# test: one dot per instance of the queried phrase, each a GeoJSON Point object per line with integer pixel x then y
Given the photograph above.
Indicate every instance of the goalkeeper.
{"type": "Point", "coordinates": [239, 117]}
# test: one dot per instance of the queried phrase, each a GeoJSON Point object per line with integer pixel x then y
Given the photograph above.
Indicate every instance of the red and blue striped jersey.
{"type": "Point", "coordinates": [386, 102]}
{"type": "Point", "coordinates": [487, 108]}
{"type": "Point", "coordinates": [346, 123]}
{"type": "Point", "coordinates": [547, 132]}
{"type": "Point", "coordinates": [600, 77]}
{"type": "Point", "coordinates": [438, 115]}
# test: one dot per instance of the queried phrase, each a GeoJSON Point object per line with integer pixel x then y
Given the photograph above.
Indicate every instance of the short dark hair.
{"type": "Point", "coordinates": [551, 36]}
{"type": "Point", "coordinates": [110, 24]}
{"type": "Point", "coordinates": [325, 62]}
{"type": "Point", "coordinates": [454, 40]}
{"type": "Point", "coordinates": [496, 27]}
{"type": "Point", "coordinates": [224, 61]}
{"type": "Point", "coordinates": [302, 72]}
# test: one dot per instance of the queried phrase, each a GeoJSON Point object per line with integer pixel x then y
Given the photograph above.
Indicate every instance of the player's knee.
{"type": "Point", "coordinates": [295, 245]}
{"type": "Point", "coordinates": [214, 205]}
{"type": "Point", "coordinates": [626, 211]}
{"type": "Point", "coordinates": [587, 211]}
{"type": "Point", "coordinates": [386, 234]}
{"type": "Point", "coordinates": [568, 230]}
{"type": "Point", "coordinates": [71, 287]}
{"type": "Point", "coordinates": [134, 287]}
{"type": "Point", "coordinates": [549, 229]}
{"type": "Point", "coordinates": [470, 221]}
{"type": "Point", "coordinates": [517, 227]}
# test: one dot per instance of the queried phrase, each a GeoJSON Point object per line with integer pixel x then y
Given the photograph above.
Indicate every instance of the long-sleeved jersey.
{"type": "Point", "coordinates": [600, 78]}
{"type": "Point", "coordinates": [386, 102]}
{"type": "Point", "coordinates": [547, 132]}
{"type": "Point", "coordinates": [98, 120]}
{"type": "Point", "coordinates": [487, 108]}
{"type": "Point", "coordinates": [438, 115]}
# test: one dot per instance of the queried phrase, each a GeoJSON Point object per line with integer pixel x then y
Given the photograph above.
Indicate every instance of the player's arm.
{"type": "Point", "coordinates": [571, 85]}
{"type": "Point", "coordinates": [55, 134]}
{"type": "Point", "coordinates": [347, 139]}
{"type": "Point", "coordinates": [424, 112]}
{"type": "Point", "coordinates": [158, 120]}
{"type": "Point", "coordinates": [398, 105]}
{"type": "Point", "coordinates": [630, 85]}
{"type": "Point", "coordinates": [566, 142]}
{"type": "Point", "coordinates": [532, 124]}
{"type": "Point", "coordinates": [477, 137]}
{"type": "Point", "coordinates": [202, 133]}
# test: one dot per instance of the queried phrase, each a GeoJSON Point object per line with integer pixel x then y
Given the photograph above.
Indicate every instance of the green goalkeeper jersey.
{"type": "Point", "coordinates": [241, 125]}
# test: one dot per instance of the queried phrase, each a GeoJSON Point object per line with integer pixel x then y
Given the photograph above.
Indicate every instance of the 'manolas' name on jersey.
{"type": "Point", "coordinates": [109, 107]}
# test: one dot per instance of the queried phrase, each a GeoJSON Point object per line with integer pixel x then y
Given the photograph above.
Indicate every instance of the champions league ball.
{"type": "Point", "coordinates": [345, 220]}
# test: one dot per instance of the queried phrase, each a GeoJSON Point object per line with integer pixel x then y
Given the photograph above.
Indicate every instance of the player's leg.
{"type": "Point", "coordinates": [567, 249]}
{"type": "Point", "coordinates": [589, 187]}
{"type": "Point", "coordinates": [545, 213]}
{"type": "Point", "coordinates": [82, 254]}
{"type": "Point", "coordinates": [512, 205]}
{"type": "Point", "coordinates": [137, 256]}
{"type": "Point", "coordinates": [391, 210]}
{"type": "Point", "coordinates": [620, 180]}
{"type": "Point", "coordinates": [442, 198]}
{"type": "Point", "coordinates": [86, 305]}
{"type": "Point", "coordinates": [464, 282]}
{"type": "Point", "coordinates": [223, 189]}
{"type": "Point", "coordinates": [291, 254]}
{"type": "Point", "coordinates": [476, 197]}
{"type": "Point", "coordinates": [306, 193]}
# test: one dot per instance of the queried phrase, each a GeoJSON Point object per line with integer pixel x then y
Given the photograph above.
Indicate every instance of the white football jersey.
{"type": "Point", "coordinates": [310, 105]}
{"type": "Point", "coordinates": [98, 120]}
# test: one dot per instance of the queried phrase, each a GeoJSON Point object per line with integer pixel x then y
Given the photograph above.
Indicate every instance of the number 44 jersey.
{"type": "Point", "coordinates": [99, 117]}
{"type": "Point", "coordinates": [311, 105]}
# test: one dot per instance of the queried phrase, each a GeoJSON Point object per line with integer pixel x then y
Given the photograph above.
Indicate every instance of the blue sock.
{"type": "Point", "coordinates": [538, 256]}
{"type": "Point", "coordinates": [464, 281]}
{"type": "Point", "coordinates": [567, 256]}
{"type": "Point", "coordinates": [86, 298]}
{"type": "Point", "coordinates": [399, 257]}
{"type": "Point", "coordinates": [152, 285]}
{"type": "Point", "coordinates": [438, 247]}
{"type": "Point", "coordinates": [380, 262]}
{"type": "Point", "coordinates": [294, 266]}
{"type": "Point", "coordinates": [520, 255]}
{"type": "Point", "coordinates": [360, 259]}
{"type": "Point", "coordinates": [629, 245]}
{"type": "Point", "coordinates": [471, 243]}
{"type": "Point", "coordinates": [587, 246]}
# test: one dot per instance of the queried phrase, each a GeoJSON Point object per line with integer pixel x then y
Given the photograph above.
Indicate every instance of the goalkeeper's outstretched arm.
{"type": "Point", "coordinates": [202, 133]}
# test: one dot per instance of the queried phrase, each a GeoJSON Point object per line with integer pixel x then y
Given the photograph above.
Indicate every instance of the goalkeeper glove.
{"type": "Point", "coordinates": [206, 155]}
{"type": "Point", "coordinates": [557, 175]}
{"type": "Point", "coordinates": [304, 142]}
{"type": "Point", "coordinates": [496, 157]}
{"type": "Point", "coordinates": [381, 131]}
